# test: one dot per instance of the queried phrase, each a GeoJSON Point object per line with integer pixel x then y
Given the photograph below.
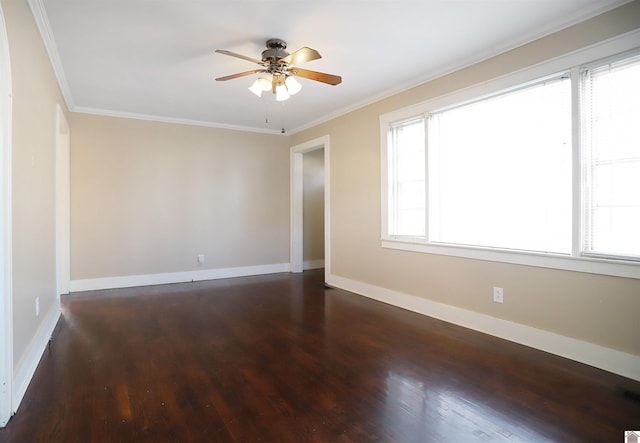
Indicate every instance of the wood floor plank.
{"type": "Point", "coordinates": [281, 358]}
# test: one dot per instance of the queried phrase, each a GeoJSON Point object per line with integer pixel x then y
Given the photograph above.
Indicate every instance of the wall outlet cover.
{"type": "Point", "coordinates": [498, 295]}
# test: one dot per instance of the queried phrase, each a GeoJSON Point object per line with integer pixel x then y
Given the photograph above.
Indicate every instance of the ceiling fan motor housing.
{"type": "Point", "coordinates": [275, 51]}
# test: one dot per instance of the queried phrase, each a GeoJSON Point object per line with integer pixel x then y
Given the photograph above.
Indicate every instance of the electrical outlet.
{"type": "Point", "coordinates": [200, 259]}
{"type": "Point", "coordinates": [37, 306]}
{"type": "Point", "coordinates": [498, 295]}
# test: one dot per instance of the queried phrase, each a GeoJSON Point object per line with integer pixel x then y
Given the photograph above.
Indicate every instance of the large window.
{"type": "Point", "coordinates": [548, 167]}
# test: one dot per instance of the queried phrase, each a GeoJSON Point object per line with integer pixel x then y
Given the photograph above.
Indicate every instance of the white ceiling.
{"type": "Point", "coordinates": [155, 58]}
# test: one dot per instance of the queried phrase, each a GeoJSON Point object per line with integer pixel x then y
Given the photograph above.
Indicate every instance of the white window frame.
{"type": "Point", "coordinates": [571, 63]}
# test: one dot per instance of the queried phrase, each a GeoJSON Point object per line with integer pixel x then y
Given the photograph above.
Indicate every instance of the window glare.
{"type": "Point", "coordinates": [505, 179]}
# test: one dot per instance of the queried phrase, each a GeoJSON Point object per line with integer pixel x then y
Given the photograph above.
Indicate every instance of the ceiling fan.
{"type": "Point", "coordinates": [279, 69]}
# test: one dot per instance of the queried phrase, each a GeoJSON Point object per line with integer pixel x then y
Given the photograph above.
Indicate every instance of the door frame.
{"type": "Point", "coordinates": [63, 203]}
{"type": "Point", "coordinates": [297, 198]}
{"type": "Point", "coordinates": [6, 310]}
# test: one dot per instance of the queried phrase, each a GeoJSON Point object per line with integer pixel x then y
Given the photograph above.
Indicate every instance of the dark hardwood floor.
{"type": "Point", "coordinates": [280, 358]}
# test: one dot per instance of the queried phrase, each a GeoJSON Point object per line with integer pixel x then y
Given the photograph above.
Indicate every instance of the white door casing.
{"type": "Point", "coordinates": [6, 312]}
{"type": "Point", "coordinates": [63, 204]}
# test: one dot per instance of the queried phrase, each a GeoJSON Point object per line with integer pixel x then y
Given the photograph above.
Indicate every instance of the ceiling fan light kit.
{"type": "Point", "coordinates": [279, 70]}
{"type": "Point", "coordinates": [263, 83]}
{"type": "Point", "coordinates": [292, 85]}
{"type": "Point", "coordinates": [281, 92]}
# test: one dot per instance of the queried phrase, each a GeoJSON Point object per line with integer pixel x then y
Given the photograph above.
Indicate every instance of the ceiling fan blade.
{"type": "Point", "coordinates": [243, 57]}
{"type": "Point", "coordinates": [239, 74]}
{"type": "Point", "coordinates": [317, 76]}
{"type": "Point", "coordinates": [302, 55]}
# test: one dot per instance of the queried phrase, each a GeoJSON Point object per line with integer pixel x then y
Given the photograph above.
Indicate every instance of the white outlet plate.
{"type": "Point", "coordinates": [37, 306]}
{"type": "Point", "coordinates": [200, 259]}
{"type": "Point", "coordinates": [498, 295]}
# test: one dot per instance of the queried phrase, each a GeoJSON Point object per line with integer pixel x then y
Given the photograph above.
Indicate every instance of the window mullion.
{"type": "Point", "coordinates": [426, 178]}
{"type": "Point", "coordinates": [578, 182]}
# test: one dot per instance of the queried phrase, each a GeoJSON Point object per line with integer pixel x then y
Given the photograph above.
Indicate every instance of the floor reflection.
{"type": "Point", "coordinates": [415, 411]}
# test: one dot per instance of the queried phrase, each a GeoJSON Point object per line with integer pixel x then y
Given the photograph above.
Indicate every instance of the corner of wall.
{"type": "Point", "coordinates": [26, 367]}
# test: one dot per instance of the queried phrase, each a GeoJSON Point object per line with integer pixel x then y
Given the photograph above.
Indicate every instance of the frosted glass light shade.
{"type": "Point", "coordinates": [256, 88]}
{"type": "Point", "coordinates": [265, 81]}
{"type": "Point", "coordinates": [293, 87]}
{"type": "Point", "coordinates": [281, 92]}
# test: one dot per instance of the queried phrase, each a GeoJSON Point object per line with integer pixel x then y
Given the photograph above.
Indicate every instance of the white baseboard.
{"type": "Point", "coordinates": [627, 365]}
{"type": "Point", "coordinates": [313, 264]}
{"type": "Point", "coordinates": [27, 367]}
{"type": "Point", "coordinates": [128, 281]}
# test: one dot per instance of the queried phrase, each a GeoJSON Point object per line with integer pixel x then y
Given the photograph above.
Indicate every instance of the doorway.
{"type": "Point", "coordinates": [313, 209]}
{"type": "Point", "coordinates": [297, 242]}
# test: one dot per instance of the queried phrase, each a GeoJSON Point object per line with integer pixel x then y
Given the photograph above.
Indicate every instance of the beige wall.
{"type": "Point", "coordinates": [598, 309]}
{"type": "Point", "coordinates": [35, 95]}
{"type": "Point", "coordinates": [313, 205]}
{"type": "Point", "coordinates": [148, 197]}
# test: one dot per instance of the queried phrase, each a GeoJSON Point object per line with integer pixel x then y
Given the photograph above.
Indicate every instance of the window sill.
{"type": "Point", "coordinates": [617, 268]}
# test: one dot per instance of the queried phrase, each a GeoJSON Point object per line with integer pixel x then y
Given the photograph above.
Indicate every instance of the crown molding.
{"type": "Point", "coordinates": [42, 22]}
{"type": "Point", "coordinates": [178, 121]}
